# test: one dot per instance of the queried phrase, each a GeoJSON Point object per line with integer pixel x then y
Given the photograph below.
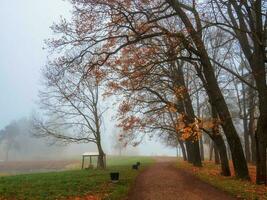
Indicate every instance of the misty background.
{"type": "Point", "coordinates": [25, 25]}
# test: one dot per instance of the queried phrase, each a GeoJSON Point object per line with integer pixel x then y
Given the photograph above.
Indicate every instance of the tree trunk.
{"type": "Point", "coordinates": [211, 149]}
{"type": "Point", "coordinates": [253, 148]}
{"type": "Point", "coordinates": [251, 125]}
{"type": "Point", "coordinates": [101, 164]}
{"type": "Point", "coordinates": [261, 132]}
{"type": "Point", "coordinates": [183, 149]}
{"type": "Point", "coordinates": [218, 140]}
{"type": "Point", "coordinates": [201, 137]}
{"type": "Point", "coordinates": [196, 154]}
{"type": "Point", "coordinates": [193, 153]}
{"type": "Point", "coordinates": [253, 140]}
{"type": "Point", "coordinates": [260, 155]}
{"type": "Point", "coordinates": [246, 139]}
{"type": "Point", "coordinates": [220, 145]}
{"type": "Point", "coordinates": [201, 148]}
{"type": "Point", "coordinates": [245, 122]}
{"type": "Point", "coordinates": [189, 151]}
{"type": "Point", "coordinates": [101, 161]}
{"type": "Point", "coordinates": [229, 152]}
{"type": "Point", "coordinates": [216, 155]}
{"type": "Point", "coordinates": [261, 161]}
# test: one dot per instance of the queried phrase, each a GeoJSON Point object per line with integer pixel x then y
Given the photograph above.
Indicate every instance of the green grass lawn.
{"type": "Point", "coordinates": [73, 183]}
{"type": "Point", "coordinates": [210, 173]}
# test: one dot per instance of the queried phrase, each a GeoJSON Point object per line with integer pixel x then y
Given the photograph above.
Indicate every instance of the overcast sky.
{"type": "Point", "coordinates": [24, 26]}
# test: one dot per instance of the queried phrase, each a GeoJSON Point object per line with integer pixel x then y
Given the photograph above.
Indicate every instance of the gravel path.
{"type": "Point", "coordinates": [163, 181]}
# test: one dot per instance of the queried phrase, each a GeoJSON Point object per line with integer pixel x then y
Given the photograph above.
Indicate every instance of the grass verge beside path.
{"type": "Point", "coordinates": [210, 173]}
{"type": "Point", "coordinates": [91, 183]}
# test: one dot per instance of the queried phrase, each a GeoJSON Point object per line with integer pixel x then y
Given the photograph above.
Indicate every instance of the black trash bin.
{"type": "Point", "coordinates": [114, 176]}
{"type": "Point", "coordinates": [135, 167]}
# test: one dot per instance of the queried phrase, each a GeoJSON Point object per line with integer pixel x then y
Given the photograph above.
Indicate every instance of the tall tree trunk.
{"type": "Point", "coordinates": [246, 139]}
{"type": "Point", "coordinates": [101, 161]}
{"type": "Point", "coordinates": [229, 152]}
{"type": "Point", "coordinates": [201, 148]}
{"type": "Point", "coordinates": [181, 143]}
{"type": "Point", "coordinates": [260, 158]}
{"type": "Point", "coordinates": [245, 122]}
{"type": "Point", "coordinates": [193, 154]}
{"type": "Point", "coordinates": [220, 145]}
{"type": "Point", "coordinates": [218, 140]}
{"type": "Point", "coordinates": [251, 125]}
{"type": "Point", "coordinates": [261, 132]}
{"type": "Point", "coordinates": [198, 115]}
{"type": "Point", "coordinates": [196, 154]}
{"type": "Point", "coordinates": [216, 155]}
{"type": "Point", "coordinates": [252, 138]}
{"type": "Point", "coordinates": [211, 149]}
{"type": "Point", "coordinates": [253, 149]}
{"type": "Point", "coordinates": [189, 151]}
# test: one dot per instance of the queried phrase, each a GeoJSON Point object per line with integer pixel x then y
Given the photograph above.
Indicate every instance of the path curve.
{"type": "Point", "coordinates": [163, 181]}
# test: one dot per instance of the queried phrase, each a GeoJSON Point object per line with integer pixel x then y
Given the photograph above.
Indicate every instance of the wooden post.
{"type": "Point", "coordinates": [105, 161]}
{"type": "Point", "coordinates": [83, 162]}
{"type": "Point", "coordinates": [90, 161]}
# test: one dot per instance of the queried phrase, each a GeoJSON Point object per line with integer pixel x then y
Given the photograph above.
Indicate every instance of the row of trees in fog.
{"type": "Point", "coordinates": [21, 141]}
{"type": "Point", "coordinates": [17, 143]}
{"type": "Point", "coordinates": [184, 71]}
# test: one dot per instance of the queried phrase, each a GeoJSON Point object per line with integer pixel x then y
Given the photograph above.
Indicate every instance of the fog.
{"type": "Point", "coordinates": [25, 24]}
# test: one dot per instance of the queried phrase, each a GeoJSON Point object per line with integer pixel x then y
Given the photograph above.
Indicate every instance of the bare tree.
{"type": "Point", "coordinates": [71, 106]}
{"type": "Point", "coordinates": [8, 137]}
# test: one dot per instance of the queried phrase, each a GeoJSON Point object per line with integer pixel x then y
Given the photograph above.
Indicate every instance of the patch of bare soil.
{"type": "Point", "coordinates": [163, 181]}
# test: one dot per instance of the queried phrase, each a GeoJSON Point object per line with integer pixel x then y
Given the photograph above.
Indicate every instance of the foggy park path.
{"type": "Point", "coordinates": [163, 181]}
